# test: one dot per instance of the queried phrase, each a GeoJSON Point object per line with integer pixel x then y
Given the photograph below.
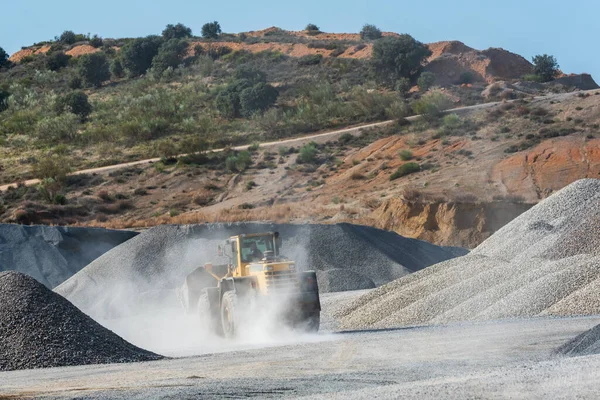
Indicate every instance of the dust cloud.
{"type": "Point", "coordinates": [157, 321]}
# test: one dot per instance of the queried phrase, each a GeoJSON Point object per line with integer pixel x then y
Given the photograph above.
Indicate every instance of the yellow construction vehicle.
{"type": "Point", "coordinates": [256, 274]}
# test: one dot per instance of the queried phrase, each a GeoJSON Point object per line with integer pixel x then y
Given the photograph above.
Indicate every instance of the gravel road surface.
{"type": "Point", "coordinates": [485, 360]}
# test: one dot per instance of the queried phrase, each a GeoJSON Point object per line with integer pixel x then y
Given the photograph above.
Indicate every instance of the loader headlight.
{"type": "Point", "coordinates": [268, 268]}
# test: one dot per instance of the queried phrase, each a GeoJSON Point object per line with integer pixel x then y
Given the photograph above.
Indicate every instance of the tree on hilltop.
{"type": "Point", "coordinates": [398, 57]}
{"type": "Point", "coordinates": [178, 31]}
{"type": "Point", "coordinates": [211, 30]}
{"type": "Point", "coordinates": [370, 32]}
{"type": "Point", "coordinates": [545, 66]}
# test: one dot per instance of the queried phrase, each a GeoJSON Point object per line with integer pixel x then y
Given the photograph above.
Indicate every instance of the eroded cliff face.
{"type": "Point", "coordinates": [447, 223]}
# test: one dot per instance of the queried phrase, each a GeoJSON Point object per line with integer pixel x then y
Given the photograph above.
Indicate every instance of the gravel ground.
{"type": "Point", "coordinates": [160, 258]}
{"type": "Point", "coordinates": [506, 359]}
{"type": "Point", "coordinates": [52, 254]}
{"type": "Point", "coordinates": [40, 329]}
{"type": "Point", "coordinates": [545, 262]}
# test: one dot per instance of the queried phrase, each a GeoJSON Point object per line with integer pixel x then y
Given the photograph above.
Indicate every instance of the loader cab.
{"type": "Point", "coordinates": [251, 248]}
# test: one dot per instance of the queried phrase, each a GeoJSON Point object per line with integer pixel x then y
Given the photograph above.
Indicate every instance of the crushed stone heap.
{"type": "Point", "coordinates": [40, 329]}
{"type": "Point", "coordinates": [544, 262]}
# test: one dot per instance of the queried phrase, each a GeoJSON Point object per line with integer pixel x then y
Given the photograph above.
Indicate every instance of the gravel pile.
{"type": "Point", "coordinates": [545, 262]}
{"type": "Point", "coordinates": [159, 259]}
{"type": "Point", "coordinates": [40, 329]}
{"type": "Point", "coordinates": [341, 280]}
{"type": "Point", "coordinates": [52, 254]}
{"type": "Point", "coordinates": [587, 343]}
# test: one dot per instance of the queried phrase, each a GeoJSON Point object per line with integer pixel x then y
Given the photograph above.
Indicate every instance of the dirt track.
{"type": "Point", "coordinates": [496, 359]}
{"type": "Point", "coordinates": [297, 141]}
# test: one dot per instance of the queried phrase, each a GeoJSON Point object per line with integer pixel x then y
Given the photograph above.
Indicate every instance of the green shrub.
{"type": "Point", "coordinates": [311, 59]}
{"type": "Point", "coordinates": [137, 55]}
{"type": "Point", "coordinates": [75, 102]}
{"type": "Point", "coordinates": [398, 57]}
{"type": "Point", "coordinates": [425, 81]}
{"type": "Point", "coordinates": [57, 60]}
{"type": "Point", "coordinates": [4, 95]}
{"type": "Point", "coordinates": [308, 153]}
{"type": "Point", "coordinates": [545, 66]}
{"type": "Point", "coordinates": [239, 162]}
{"type": "Point", "coordinates": [405, 155]}
{"type": "Point", "coordinates": [257, 98]}
{"type": "Point", "coordinates": [370, 32]}
{"type": "Point", "coordinates": [56, 129]}
{"type": "Point", "coordinates": [432, 105]}
{"type": "Point", "coordinates": [250, 185]}
{"type": "Point", "coordinates": [75, 82]}
{"type": "Point", "coordinates": [466, 78]}
{"type": "Point", "coordinates": [178, 31]}
{"type": "Point", "coordinates": [451, 122]}
{"type": "Point", "coordinates": [254, 147]}
{"type": "Point", "coordinates": [405, 169]}
{"type": "Point", "coordinates": [93, 68]}
{"type": "Point", "coordinates": [211, 30]}
{"type": "Point", "coordinates": [116, 69]}
{"type": "Point", "coordinates": [402, 86]}
{"type": "Point", "coordinates": [52, 167]}
{"type": "Point", "coordinates": [532, 78]}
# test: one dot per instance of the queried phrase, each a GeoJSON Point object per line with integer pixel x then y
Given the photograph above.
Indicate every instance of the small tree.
{"type": "Point", "coordinates": [312, 28]}
{"type": "Point", "coordinates": [545, 66]}
{"type": "Point", "coordinates": [93, 68]}
{"type": "Point", "coordinates": [402, 86]}
{"type": "Point", "coordinates": [57, 60]}
{"type": "Point", "coordinates": [4, 58]}
{"type": "Point", "coordinates": [370, 32]}
{"type": "Point", "coordinates": [398, 57]}
{"type": "Point", "coordinates": [211, 30]}
{"type": "Point", "coordinates": [426, 81]}
{"type": "Point", "coordinates": [75, 102]}
{"type": "Point", "coordinates": [178, 31]}
{"type": "Point", "coordinates": [96, 41]}
{"type": "Point", "coordinates": [68, 37]}
{"type": "Point", "coordinates": [257, 98]}
{"type": "Point", "coordinates": [116, 69]}
{"type": "Point", "coordinates": [137, 55]}
{"type": "Point", "coordinates": [170, 54]}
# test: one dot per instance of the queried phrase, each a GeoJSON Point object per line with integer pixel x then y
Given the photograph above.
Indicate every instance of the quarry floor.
{"type": "Point", "coordinates": [500, 359]}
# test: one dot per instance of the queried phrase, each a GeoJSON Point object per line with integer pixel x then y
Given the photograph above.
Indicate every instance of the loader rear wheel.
{"type": "Point", "coordinates": [229, 318]}
{"type": "Point", "coordinates": [312, 322]}
{"type": "Point", "coordinates": [209, 315]}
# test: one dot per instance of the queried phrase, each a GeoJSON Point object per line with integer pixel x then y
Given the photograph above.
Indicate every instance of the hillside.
{"type": "Point", "coordinates": [474, 171]}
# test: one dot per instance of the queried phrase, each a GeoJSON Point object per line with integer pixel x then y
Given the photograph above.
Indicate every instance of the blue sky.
{"type": "Point", "coordinates": [567, 30]}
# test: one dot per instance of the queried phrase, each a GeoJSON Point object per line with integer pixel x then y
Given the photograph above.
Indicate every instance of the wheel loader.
{"type": "Point", "coordinates": [256, 277]}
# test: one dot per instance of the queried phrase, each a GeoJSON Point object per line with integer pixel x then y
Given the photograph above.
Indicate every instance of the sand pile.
{"type": "Point", "coordinates": [52, 254]}
{"type": "Point", "coordinates": [158, 260]}
{"type": "Point", "coordinates": [39, 329]}
{"type": "Point", "coordinates": [545, 262]}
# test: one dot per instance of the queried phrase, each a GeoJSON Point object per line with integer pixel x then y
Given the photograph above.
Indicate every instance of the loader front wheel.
{"type": "Point", "coordinates": [229, 319]}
